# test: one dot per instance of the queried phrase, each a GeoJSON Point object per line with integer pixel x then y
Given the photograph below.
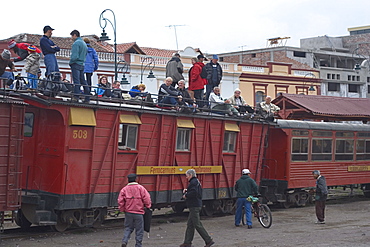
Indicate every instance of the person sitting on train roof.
{"type": "Point", "coordinates": [239, 103]}
{"type": "Point", "coordinates": [267, 109]}
{"type": "Point", "coordinates": [116, 90]}
{"type": "Point", "coordinates": [187, 102]}
{"type": "Point", "coordinates": [218, 104]}
{"type": "Point", "coordinates": [167, 94]}
{"type": "Point", "coordinates": [137, 92]}
{"type": "Point", "coordinates": [6, 62]}
{"type": "Point", "coordinates": [104, 87]}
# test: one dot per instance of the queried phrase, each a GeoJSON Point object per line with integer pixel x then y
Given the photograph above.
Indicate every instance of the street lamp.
{"type": "Point", "coordinates": [312, 75]}
{"type": "Point", "coordinates": [150, 64]}
{"type": "Point", "coordinates": [104, 36]}
{"type": "Point", "coordinates": [125, 67]}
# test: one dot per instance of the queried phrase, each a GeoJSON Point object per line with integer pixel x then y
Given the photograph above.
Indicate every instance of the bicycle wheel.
{"type": "Point", "coordinates": [243, 217]}
{"type": "Point", "coordinates": [264, 215]}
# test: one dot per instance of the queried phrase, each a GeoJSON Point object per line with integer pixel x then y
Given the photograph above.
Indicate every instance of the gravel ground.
{"type": "Point", "coordinates": [347, 224]}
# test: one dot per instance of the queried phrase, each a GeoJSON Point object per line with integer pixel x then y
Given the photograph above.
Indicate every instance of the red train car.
{"type": "Point", "coordinates": [11, 148]}
{"type": "Point", "coordinates": [77, 157]}
{"type": "Point", "coordinates": [340, 151]}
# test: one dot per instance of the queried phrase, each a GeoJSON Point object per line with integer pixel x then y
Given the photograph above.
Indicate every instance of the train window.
{"type": "Point", "coordinates": [300, 132]}
{"type": "Point", "coordinates": [363, 150]}
{"type": "Point", "coordinates": [229, 142]}
{"type": "Point", "coordinates": [344, 134]}
{"type": "Point", "coordinates": [28, 124]}
{"type": "Point", "coordinates": [321, 149]}
{"type": "Point", "coordinates": [299, 149]}
{"type": "Point", "coordinates": [183, 139]}
{"type": "Point", "coordinates": [363, 134]}
{"type": "Point", "coordinates": [344, 150]}
{"type": "Point", "coordinates": [322, 133]}
{"type": "Point", "coordinates": [127, 136]}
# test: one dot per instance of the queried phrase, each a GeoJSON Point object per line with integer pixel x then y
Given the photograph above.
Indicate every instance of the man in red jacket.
{"type": "Point", "coordinates": [196, 82]}
{"type": "Point", "coordinates": [132, 199]}
{"type": "Point", "coordinates": [21, 49]}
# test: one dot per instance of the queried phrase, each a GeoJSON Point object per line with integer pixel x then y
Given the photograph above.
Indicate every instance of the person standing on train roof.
{"type": "Point", "coordinates": [49, 49]}
{"type": "Point", "coordinates": [320, 197]}
{"type": "Point", "coordinates": [245, 187]}
{"type": "Point", "coordinates": [21, 49]}
{"type": "Point", "coordinates": [132, 199]}
{"type": "Point", "coordinates": [193, 198]}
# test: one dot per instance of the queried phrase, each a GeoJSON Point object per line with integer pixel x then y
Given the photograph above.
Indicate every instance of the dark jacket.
{"type": "Point", "coordinates": [186, 96]}
{"type": "Point", "coordinates": [165, 90]}
{"type": "Point", "coordinates": [174, 69]}
{"type": "Point", "coordinates": [46, 46]}
{"type": "Point", "coordinates": [214, 77]}
{"type": "Point", "coordinates": [246, 186]}
{"type": "Point", "coordinates": [321, 189]}
{"type": "Point", "coordinates": [92, 60]}
{"type": "Point", "coordinates": [194, 193]}
{"type": "Point", "coordinates": [5, 63]}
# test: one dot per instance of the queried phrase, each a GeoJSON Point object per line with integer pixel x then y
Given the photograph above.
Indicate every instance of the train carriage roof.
{"type": "Point", "coordinates": [297, 124]}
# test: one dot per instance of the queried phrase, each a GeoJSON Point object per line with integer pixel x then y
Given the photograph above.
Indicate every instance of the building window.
{"type": "Point", "coordinates": [368, 79]}
{"type": "Point", "coordinates": [333, 87]}
{"type": "Point", "coordinates": [368, 88]}
{"type": "Point", "coordinates": [353, 88]}
{"type": "Point", "coordinates": [363, 150]}
{"type": "Point", "coordinates": [299, 54]}
{"type": "Point", "coordinates": [229, 142]}
{"type": "Point", "coordinates": [328, 76]}
{"type": "Point", "coordinates": [183, 139]}
{"type": "Point", "coordinates": [127, 136]}
{"type": "Point", "coordinates": [299, 149]}
{"type": "Point", "coordinates": [321, 149]}
{"type": "Point", "coordinates": [253, 55]}
{"type": "Point", "coordinates": [349, 77]}
{"type": "Point", "coordinates": [338, 76]}
{"type": "Point", "coordinates": [344, 150]}
{"type": "Point", "coordinates": [28, 124]}
{"type": "Point", "coordinates": [260, 96]}
{"type": "Point", "coordinates": [333, 76]}
{"type": "Point", "coordinates": [358, 78]}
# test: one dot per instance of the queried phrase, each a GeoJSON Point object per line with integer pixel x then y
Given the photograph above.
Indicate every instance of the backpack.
{"type": "Point", "coordinates": [204, 73]}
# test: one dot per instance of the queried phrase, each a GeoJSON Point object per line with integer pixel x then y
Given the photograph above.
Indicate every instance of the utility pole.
{"type": "Point", "coordinates": [241, 59]}
{"type": "Point", "coordinates": [174, 27]}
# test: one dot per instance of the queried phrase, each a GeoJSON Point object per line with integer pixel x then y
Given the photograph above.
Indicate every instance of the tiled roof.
{"type": "Point", "coordinates": [156, 52]}
{"type": "Point", "coordinates": [330, 105]}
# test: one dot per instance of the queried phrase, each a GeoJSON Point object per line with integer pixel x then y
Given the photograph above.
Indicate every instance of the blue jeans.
{"type": "Point", "coordinates": [240, 202]}
{"type": "Point", "coordinates": [167, 101]}
{"type": "Point", "coordinates": [134, 222]}
{"type": "Point", "coordinates": [8, 75]}
{"type": "Point", "coordinates": [79, 79]}
{"type": "Point", "coordinates": [32, 80]}
{"type": "Point", "coordinates": [51, 63]}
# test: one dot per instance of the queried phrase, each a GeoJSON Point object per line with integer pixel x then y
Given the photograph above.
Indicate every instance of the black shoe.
{"type": "Point", "coordinates": [237, 225]}
{"type": "Point", "coordinates": [123, 245]}
{"type": "Point", "coordinates": [209, 244]}
{"type": "Point", "coordinates": [249, 227]}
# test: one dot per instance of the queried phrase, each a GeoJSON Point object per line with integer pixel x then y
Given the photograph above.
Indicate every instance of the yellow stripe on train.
{"type": "Point", "coordinates": [358, 168]}
{"type": "Point", "coordinates": [161, 170]}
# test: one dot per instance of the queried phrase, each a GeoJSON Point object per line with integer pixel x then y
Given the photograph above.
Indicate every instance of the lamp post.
{"type": "Point", "coordinates": [125, 67]}
{"type": "Point", "coordinates": [150, 64]}
{"type": "Point", "coordinates": [104, 36]}
{"type": "Point", "coordinates": [312, 75]}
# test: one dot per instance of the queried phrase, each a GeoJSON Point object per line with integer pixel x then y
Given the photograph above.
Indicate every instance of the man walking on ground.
{"type": "Point", "coordinates": [49, 49]}
{"type": "Point", "coordinates": [320, 197]}
{"type": "Point", "coordinates": [245, 187]}
{"type": "Point", "coordinates": [193, 197]}
{"type": "Point", "coordinates": [132, 199]}
{"type": "Point", "coordinates": [76, 62]}
{"type": "Point", "coordinates": [174, 69]}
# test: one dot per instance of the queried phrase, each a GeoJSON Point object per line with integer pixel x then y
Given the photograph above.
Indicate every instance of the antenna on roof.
{"type": "Point", "coordinates": [174, 27]}
{"type": "Point", "coordinates": [277, 41]}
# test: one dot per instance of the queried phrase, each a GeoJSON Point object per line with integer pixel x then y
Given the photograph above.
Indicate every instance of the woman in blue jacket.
{"type": "Point", "coordinates": [91, 63]}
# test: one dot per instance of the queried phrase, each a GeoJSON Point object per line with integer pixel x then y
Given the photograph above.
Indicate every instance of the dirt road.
{"type": "Point", "coordinates": [348, 224]}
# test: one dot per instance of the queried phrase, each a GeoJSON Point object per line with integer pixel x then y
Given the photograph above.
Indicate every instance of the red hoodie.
{"type": "Point", "coordinates": [195, 81]}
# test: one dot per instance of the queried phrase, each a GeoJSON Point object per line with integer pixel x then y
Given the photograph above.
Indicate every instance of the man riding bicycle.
{"type": "Point", "coordinates": [245, 187]}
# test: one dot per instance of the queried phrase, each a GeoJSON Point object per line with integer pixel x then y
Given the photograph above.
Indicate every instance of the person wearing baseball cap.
{"type": "Point", "coordinates": [245, 187]}
{"type": "Point", "coordinates": [49, 49]}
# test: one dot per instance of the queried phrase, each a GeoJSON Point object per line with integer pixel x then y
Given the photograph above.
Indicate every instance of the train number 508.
{"type": "Point", "coordinates": [79, 134]}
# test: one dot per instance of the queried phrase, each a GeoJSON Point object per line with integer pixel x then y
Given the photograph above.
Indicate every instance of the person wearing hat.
{"type": "Point", "coordinates": [132, 199]}
{"type": "Point", "coordinates": [91, 62]}
{"type": "Point", "coordinates": [21, 49]}
{"type": "Point", "coordinates": [320, 197]}
{"type": "Point", "coordinates": [32, 66]}
{"type": "Point", "coordinates": [49, 49]}
{"type": "Point", "coordinates": [6, 62]}
{"type": "Point", "coordinates": [174, 69]}
{"type": "Point", "coordinates": [245, 187]}
{"type": "Point", "coordinates": [214, 75]}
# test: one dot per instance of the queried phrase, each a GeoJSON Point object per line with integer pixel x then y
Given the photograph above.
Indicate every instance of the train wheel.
{"type": "Point", "coordinates": [21, 220]}
{"type": "Point", "coordinates": [178, 208]}
{"type": "Point", "coordinates": [264, 215]}
{"type": "Point", "coordinates": [208, 209]}
{"type": "Point", "coordinates": [60, 226]}
{"type": "Point", "coordinates": [366, 189]}
{"type": "Point", "coordinates": [285, 204]}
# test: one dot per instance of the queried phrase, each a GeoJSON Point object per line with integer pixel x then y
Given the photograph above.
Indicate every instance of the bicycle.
{"type": "Point", "coordinates": [261, 211]}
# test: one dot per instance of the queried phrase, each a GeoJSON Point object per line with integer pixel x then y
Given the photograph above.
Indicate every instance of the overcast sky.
{"type": "Point", "coordinates": [213, 26]}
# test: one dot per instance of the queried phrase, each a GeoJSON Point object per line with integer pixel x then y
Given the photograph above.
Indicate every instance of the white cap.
{"type": "Point", "coordinates": [245, 171]}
